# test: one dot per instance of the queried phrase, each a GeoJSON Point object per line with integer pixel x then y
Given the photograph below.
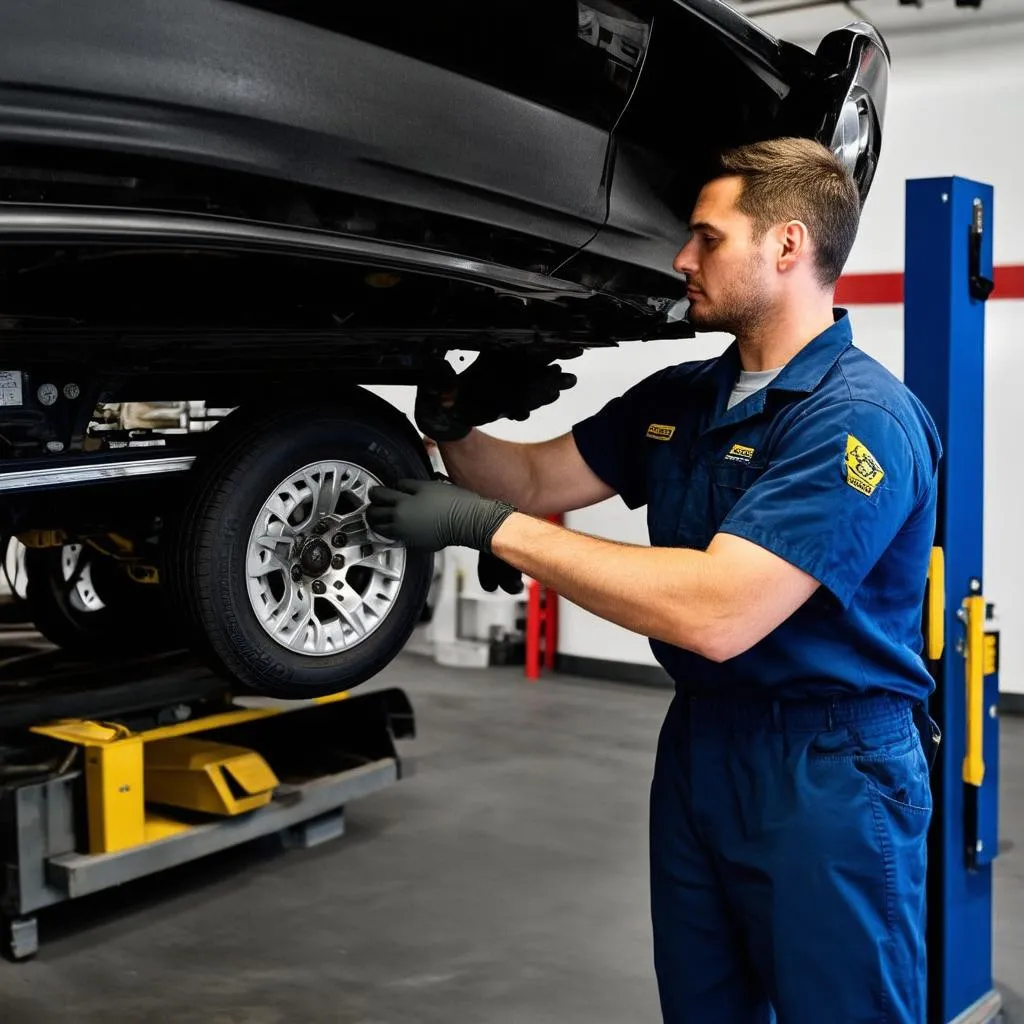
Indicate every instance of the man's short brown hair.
{"type": "Point", "coordinates": [798, 179]}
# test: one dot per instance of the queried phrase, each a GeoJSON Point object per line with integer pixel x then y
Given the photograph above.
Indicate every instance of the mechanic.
{"type": "Point", "coordinates": [790, 487]}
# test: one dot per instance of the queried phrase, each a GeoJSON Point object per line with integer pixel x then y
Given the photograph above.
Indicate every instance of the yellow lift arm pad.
{"type": "Point", "coordinates": [974, 661]}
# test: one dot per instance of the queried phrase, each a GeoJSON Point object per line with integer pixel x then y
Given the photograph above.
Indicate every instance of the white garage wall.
{"type": "Point", "coordinates": [941, 120]}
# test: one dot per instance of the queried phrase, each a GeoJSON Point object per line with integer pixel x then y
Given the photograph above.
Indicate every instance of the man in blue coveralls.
{"type": "Point", "coordinates": [790, 487]}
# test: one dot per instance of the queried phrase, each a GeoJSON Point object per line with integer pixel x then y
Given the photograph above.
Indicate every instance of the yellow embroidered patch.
{"type": "Point", "coordinates": [863, 473]}
{"type": "Point", "coordinates": [740, 453]}
{"type": "Point", "coordinates": [660, 432]}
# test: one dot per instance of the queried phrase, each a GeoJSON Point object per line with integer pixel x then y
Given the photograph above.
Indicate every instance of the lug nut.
{"type": "Point", "coordinates": [338, 585]}
{"type": "Point", "coordinates": [339, 540]}
{"type": "Point", "coordinates": [366, 550]}
{"type": "Point", "coordinates": [319, 587]}
{"type": "Point", "coordinates": [296, 573]}
{"type": "Point", "coordinates": [338, 562]}
{"type": "Point", "coordinates": [322, 527]}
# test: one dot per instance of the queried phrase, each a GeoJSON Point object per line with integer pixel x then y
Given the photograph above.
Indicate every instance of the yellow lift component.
{"type": "Point", "coordinates": [199, 775]}
{"type": "Point", "coordinates": [974, 662]}
{"type": "Point", "coordinates": [935, 606]}
{"type": "Point", "coordinates": [154, 798]}
{"type": "Point", "coordinates": [127, 773]}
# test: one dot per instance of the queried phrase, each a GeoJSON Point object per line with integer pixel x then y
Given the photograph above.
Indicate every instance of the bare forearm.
{"type": "Point", "coordinates": [669, 594]}
{"type": "Point", "coordinates": [492, 468]}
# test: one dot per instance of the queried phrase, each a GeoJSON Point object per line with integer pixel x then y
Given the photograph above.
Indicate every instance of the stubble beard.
{"type": "Point", "coordinates": [741, 309]}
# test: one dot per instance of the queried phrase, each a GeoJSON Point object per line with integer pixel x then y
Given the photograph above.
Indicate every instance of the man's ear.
{"type": "Point", "coordinates": [794, 245]}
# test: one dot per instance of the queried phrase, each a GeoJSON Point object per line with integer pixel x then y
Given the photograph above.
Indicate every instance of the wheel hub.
{"type": "Point", "coordinates": [315, 558]}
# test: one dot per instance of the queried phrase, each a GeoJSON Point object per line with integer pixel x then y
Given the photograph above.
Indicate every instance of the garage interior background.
{"type": "Point", "coordinates": [942, 118]}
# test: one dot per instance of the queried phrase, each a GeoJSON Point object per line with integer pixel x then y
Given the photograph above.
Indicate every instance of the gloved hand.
{"type": "Point", "coordinates": [493, 572]}
{"type": "Point", "coordinates": [499, 385]}
{"type": "Point", "coordinates": [432, 514]}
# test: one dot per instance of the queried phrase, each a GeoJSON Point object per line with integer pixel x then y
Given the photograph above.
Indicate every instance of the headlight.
{"type": "Point", "coordinates": [852, 133]}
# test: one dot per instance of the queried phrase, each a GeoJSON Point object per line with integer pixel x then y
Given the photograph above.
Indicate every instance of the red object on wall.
{"type": "Point", "coordinates": [887, 288]}
{"type": "Point", "coordinates": [869, 289]}
{"type": "Point", "coordinates": [541, 624]}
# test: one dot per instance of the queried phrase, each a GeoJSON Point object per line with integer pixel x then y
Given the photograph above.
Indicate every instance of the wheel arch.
{"type": "Point", "coordinates": [292, 396]}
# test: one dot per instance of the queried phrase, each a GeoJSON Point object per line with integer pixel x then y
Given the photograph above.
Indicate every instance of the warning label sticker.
{"type": "Point", "coordinates": [10, 387]}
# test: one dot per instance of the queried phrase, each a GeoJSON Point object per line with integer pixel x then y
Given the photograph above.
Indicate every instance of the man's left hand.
{"type": "Point", "coordinates": [431, 514]}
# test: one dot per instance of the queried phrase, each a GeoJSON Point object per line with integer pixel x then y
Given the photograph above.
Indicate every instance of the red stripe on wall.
{"type": "Point", "coordinates": [1009, 283]}
{"type": "Point", "coordinates": [882, 289]}
{"type": "Point", "coordinates": [869, 289]}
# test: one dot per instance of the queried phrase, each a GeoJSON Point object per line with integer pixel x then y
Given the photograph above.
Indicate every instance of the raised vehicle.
{"type": "Point", "coordinates": [270, 206]}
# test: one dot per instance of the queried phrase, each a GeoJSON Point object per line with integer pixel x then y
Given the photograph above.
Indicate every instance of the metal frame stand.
{"type": "Point", "coordinates": [90, 826]}
{"type": "Point", "coordinates": [948, 277]}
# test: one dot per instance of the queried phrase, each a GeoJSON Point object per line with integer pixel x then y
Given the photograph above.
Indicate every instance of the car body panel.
{"type": "Point", "coordinates": [345, 98]}
{"type": "Point", "coordinates": [224, 84]}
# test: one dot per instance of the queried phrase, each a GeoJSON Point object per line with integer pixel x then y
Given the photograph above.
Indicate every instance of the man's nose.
{"type": "Point", "coordinates": [684, 262]}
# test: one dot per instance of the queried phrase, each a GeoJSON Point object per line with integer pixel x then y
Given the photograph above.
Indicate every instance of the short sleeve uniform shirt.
{"type": "Point", "coordinates": [832, 466]}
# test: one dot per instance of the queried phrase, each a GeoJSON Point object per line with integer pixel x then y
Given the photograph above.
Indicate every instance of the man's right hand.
{"type": "Point", "coordinates": [499, 385]}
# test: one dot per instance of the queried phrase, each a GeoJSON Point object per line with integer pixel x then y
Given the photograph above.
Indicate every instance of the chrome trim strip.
{"type": "Point", "coordinates": [55, 476]}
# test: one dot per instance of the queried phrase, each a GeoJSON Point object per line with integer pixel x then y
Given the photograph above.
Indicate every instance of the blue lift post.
{"type": "Point", "coordinates": [948, 276]}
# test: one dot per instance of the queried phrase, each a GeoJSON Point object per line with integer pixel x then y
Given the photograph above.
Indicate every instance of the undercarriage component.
{"type": "Point", "coordinates": [42, 538]}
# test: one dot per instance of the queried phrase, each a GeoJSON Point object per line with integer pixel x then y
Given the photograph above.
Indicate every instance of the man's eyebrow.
{"type": "Point", "coordinates": [702, 225]}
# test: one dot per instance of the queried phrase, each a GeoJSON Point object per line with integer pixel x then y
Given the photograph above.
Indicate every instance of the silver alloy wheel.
{"type": "Point", "coordinates": [319, 580]}
{"type": "Point", "coordinates": [14, 568]}
{"type": "Point", "coordinates": [77, 573]}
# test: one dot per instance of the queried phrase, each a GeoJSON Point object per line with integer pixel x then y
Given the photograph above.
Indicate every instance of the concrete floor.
{"type": "Point", "coordinates": [503, 884]}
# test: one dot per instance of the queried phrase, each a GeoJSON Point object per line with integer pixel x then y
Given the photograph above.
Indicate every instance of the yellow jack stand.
{"type": "Point", "coordinates": [161, 796]}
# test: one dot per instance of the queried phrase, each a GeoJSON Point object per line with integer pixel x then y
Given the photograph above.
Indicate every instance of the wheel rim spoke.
{"type": "Point", "coordinates": [281, 507]}
{"type": "Point", "coordinates": [380, 564]}
{"type": "Point", "coordinates": [264, 559]}
{"type": "Point", "coordinates": [349, 611]}
{"type": "Point", "coordinates": [291, 606]}
{"type": "Point", "coordinates": [326, 487]}
{"type": "Point", "coordinates": [78, 587]}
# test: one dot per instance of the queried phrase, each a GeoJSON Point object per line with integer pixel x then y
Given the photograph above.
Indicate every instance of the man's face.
{"type": "Point", "coordinates": [728, 278]}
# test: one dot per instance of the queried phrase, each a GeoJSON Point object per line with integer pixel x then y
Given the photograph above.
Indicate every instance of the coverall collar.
{"type": "Point", "coordinates": [802, 374]}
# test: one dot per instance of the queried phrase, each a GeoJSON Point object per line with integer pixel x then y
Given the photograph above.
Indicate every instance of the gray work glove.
{"type": "Point", "coordinates": [433, 514]}
{"type": "Point", "coordinates": [499, 385]}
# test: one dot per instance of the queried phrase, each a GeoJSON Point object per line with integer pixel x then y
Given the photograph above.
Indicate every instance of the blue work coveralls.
{"type": "Point", "coordinates": [790, 799]}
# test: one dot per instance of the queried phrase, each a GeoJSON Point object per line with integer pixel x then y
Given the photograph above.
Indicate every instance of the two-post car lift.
{"type": "Point", "coordinates": [109, 773]}
{"type": "Point", "coordinates": [948, 277]}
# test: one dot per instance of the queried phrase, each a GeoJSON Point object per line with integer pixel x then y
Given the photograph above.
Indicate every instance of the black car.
{"type": "Point", "coordinates": [265, 204]}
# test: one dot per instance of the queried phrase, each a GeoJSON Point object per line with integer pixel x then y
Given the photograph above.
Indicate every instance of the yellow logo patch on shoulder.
{"type": "Point", "coordinates": [863, 472]}
{"type": "Point", "coordinates": [660, 432]}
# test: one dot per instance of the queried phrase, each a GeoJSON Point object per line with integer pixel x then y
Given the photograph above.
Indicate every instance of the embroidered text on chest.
{"type": "Point", "coordinates": [660, 432]}
{"type": "Point", "coordinates": [739, 453]}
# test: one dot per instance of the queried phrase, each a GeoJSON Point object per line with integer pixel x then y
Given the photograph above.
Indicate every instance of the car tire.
{"type": "Point", "coordinates": [236, 600]}
{"type": "Point", "coordinates": [82, 602]}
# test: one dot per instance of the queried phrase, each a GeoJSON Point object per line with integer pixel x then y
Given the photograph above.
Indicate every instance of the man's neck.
{"type": "Point", "coordinates": [776, 341]}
